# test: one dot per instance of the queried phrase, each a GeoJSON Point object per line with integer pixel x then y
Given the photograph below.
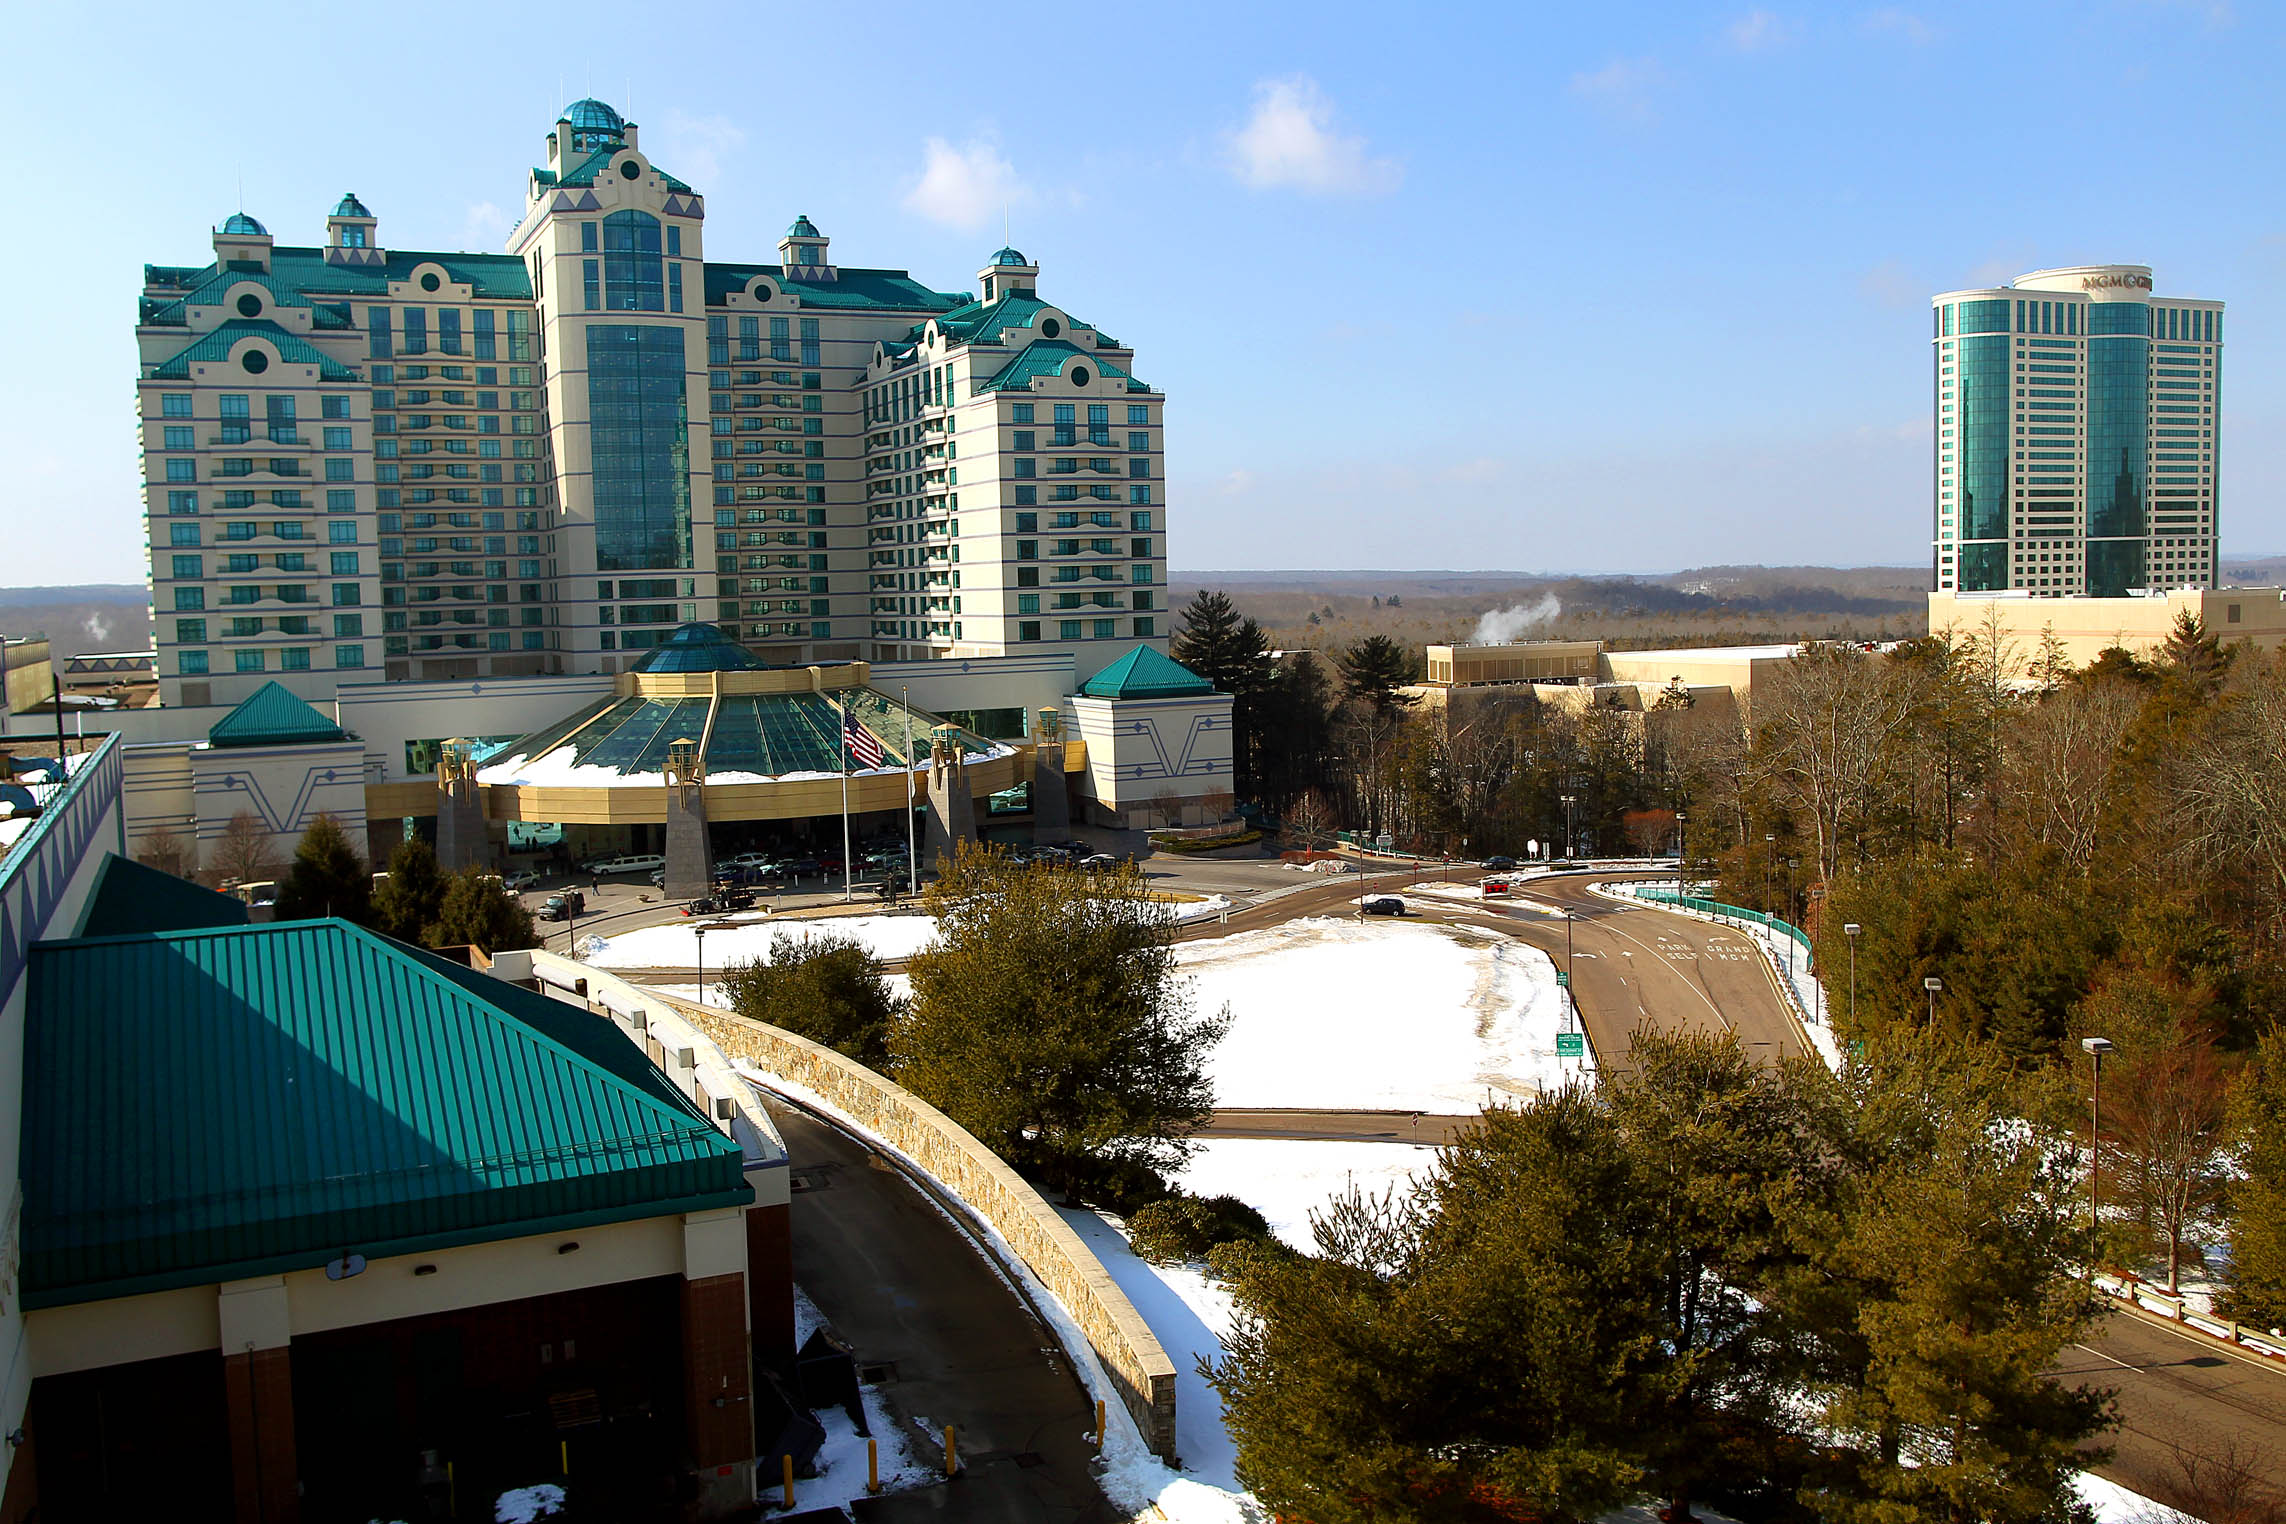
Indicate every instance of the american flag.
{"type": "Point", "coordinates": [860, 743]}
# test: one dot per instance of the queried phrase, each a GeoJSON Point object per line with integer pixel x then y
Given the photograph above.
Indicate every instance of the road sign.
{"type": "Point", "coordinates": [1571, 1045]}
{"type": "Point", "coordinates": [1563, 980]}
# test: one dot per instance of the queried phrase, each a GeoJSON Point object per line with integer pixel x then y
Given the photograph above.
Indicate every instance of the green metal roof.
{"type": "Point", "coordinates": [596, 163]}
{"type": "Point", "coordinates": [1145, 674]}
{"type": "Point", "coordinates": [851, 287]}
{"type": "Point", "coordinates": [1049, 357]}
{"type": "Point", "coordinates": [129, 898]}
{"type": "Point", "coordinates": [323, 1090]}
{"type": "Point", "coordinates": [214, 285]}
{"type": "Point", "coordinates": [215, 347]}
{"type": "Point", "coordinates": [305, 272]}
{"type": "Point", "coordinates": [273, 716]}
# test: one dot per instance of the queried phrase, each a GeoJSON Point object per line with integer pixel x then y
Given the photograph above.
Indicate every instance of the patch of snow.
{"type": "Point", "coordinates": [2114, 1504]}
{"type": "Point", "coordinates": [1344, 1014]}
{"type": "Point", "coordinates": [889, 937]}
{"type": "Point", "coordinates": [676, 944]}
{"type": "Point", "coordinates": [522, 1505]}
{"type": "Point", "coordinates": [1286, 1179]}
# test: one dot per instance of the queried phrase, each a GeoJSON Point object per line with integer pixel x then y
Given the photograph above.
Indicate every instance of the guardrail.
{"type": "Point", "coordinates": [2136, 1293]}
{"type": "Point", "coordinates": [1131, 1356]}
{"type": "Point", "coordinates": [1716, 910]}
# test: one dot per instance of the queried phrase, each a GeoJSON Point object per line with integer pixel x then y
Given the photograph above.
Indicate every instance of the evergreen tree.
{"type": "Point", "coordinates": [478, 911]}
{"type": "Point", "coordinates": [327, 877]}
{"type": "Point", "coordinates": [2257, 1291]}
{"type": "Point", "coordinates": [1049, 1018]}
{"type": "Point", "coordinates": [1939, 1284]}
{"type": "Point", "coordinates": [1372, 671]}
{"type": "Point", "coordinates": [406, 903]}
{"type": "Point", "coordinates": [828, 988]}
{"type": "Point", "coordinates": [2194, 655]}
{"type": "Point", "coordinates": [1231, 652]}
{"type": "Point", "coordinates": [1475, 1350]}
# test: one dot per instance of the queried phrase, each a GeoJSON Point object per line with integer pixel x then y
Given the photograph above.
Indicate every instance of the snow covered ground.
{"type": "Point", "coordinates": [1379, 1015]}
{"type": "Point", "coordinates": [1286, 1179]}
{"type": "Point", "coordinates": [676, 944]}
{"type": "Point", "coordinates": [841, 1460]}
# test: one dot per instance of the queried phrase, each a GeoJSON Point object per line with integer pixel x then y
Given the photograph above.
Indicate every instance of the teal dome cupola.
{"type": "Point", "coordinates": [802, 252]}
{"type": "Point", "coordinates": [239, 225]}
{"type": "Point", "coordinates": [1008, 273]}
{"type": "Point", "coordinates": [594, 126]}
{"type": "Point", "coordinates": [804, 228]}
{"type": "Point", "coordinates": [350, 206]}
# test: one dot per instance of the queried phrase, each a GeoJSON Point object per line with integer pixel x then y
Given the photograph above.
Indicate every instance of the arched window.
{"type": "Point", "coordinates": [633, 274]}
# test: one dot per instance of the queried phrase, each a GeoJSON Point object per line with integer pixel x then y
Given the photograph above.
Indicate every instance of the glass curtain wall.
{"type": "Point", "coordinates": [639, 435]}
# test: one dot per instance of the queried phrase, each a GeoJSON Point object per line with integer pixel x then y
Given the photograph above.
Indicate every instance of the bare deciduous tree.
{"type": "Point", "coordinates": [243, 852]}
{"type": "Point", "coordinates": [1311, 817]}
{"type": "Point", "coordinates": [2166, 1114]}
{"type": "Point", "coordinates": [1830, 728]}
{"type": "Point", "coordinates": [2231, 791]}
{"type": "Point", "coordinates": [167, 850]}
{"type": "Point", "coordinates": [2059, 761]}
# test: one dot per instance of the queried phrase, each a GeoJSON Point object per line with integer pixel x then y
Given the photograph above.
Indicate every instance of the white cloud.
{"type": "Point", "coordinates": [1891, 22]}
{"type": "Point", "coordinates": [1290, 141]}
{"type": "Point", "coordinates": [486, 226]}
{"type": "Point", "coordinates": [1623, 88]}
{"type": "Point", "coordinates": [1890, 284]}
{"type": "Point", "coordinates": [965, 187]}
{"type": "Point", "coordinates": [695, 146]}
{"type": "Point", "coordinates": [1758, 30]}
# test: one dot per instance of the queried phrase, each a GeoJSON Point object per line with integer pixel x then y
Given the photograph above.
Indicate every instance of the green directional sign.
{"type": "Point", "coordinates": [1571, 1045]}
{"type": "Point", "coordinates": [1563, 980]}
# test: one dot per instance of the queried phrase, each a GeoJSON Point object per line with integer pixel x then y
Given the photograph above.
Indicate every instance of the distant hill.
{"type": "Point", "coordinates": [94, 617]}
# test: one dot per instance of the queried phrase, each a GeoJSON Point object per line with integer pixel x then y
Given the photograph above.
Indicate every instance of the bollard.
{"type": "Point", "coordinates": [564, 1445]}
{"type": "Point", "coordinates": [786, 1471]}
{"type": "Point", "coordinates": [872, 1465]}
{"type": "Point", "coordinates": [1099, 1423]}
{"type": "Point", "coordinates": [952, 1463]}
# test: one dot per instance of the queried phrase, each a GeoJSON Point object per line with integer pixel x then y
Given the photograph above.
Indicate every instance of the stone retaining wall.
{"type": "Point", "coordinates": [1123, 1343]}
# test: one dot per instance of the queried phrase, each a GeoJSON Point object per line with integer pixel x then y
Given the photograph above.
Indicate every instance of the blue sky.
{"type": "Point", "coordinates": [1618, 287]}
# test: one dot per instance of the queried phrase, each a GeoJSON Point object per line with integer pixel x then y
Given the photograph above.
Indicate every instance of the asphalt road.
{"type": "Point", "coordinates": [2180, 1393]}
{"type": "Point", "coordinates": [909, 1290]}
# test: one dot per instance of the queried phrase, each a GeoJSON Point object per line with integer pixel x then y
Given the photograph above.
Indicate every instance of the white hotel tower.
{"type": "Point", "coordinates": [2075, 436]}
{"type": "Point", "coordinates": [367, 462]}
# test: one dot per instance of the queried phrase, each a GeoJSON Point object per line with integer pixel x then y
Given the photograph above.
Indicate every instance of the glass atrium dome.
{"type": "Point", "coordinates": [698, 648]}
{"type": "Point", "coordinates": [594, 125]}
{"type": "Point", "coordinates": [241, 225]}
{"type": "Point", "coordinates": [350, 206]}
{"type": "Point", "coordinates": [1010, 257]}
{"type": "Point", "coordinates": [804, 228]}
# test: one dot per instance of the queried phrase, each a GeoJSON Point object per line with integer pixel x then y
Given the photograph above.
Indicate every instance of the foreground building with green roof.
{"type": "Point", "coordinates": [372, 463]}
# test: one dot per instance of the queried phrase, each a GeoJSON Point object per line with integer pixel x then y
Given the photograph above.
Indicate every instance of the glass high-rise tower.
{"type": "Point", "coordinates": [2076, 436]}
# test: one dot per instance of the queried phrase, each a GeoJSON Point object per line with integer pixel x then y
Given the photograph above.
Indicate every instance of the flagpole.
{"type": "Point", "coordinates": [912, 831]}
{"type": "Point", "coordinates": [845, 799]}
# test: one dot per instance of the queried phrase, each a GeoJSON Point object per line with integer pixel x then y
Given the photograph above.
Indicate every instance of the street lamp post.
{"type": "Point", "coordinates": [1769, 863]}
{"type": "Point", "coordinates": [1933, 985]}
{"type": "Point", "coordinates": [1682, 851]}
{"type": "Point", "coordinates": [1569, 801]}
{"type": "Point", "coordinates": [2095, 1048]}
{"type": "Point", "coordinates": [1792, 863]}
{"type": "Point", "coordinates": [700, 933]}
{"type": "Point", "coordinates": [1852, 931]}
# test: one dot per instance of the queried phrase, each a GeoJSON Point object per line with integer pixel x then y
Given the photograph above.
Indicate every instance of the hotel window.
{"type": "Point", "coordinates": [175, 405]}
{"type": "Point", "coordinates": [1070, 629]}
{"type": "Point", "coordinates": [249, 661]}
{"type": "Point", "coordinates": [190, 663]}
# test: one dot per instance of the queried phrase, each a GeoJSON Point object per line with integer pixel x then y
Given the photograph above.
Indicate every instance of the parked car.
{"type": "Point", "coordinates": [1500, 864]}
{"type": "Point", "coordinates": [521, 880]}
{"type": "Point", "coordinates": [1384, 904]}
{"type": "Point", "coordinates": [748, 860]}
{"type": "Point", "coordinates": [720, 901]}
{"type": "Point", "coordinates": [631, 862]}
{"type": "Point", "coordinates": [1100, 862]}
{"type": "Point", "coordinates": [801, 867]}
{"type": "Point", "coordinates": [562, 907]}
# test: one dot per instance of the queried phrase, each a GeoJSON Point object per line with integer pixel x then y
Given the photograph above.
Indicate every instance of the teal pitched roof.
{"type": "Point", "coordinates": [328, 1091]}
{"type": "Point", "coordinates": [216, 346]}
{"type": "Point", "coordinates": [1051, 357]}
{"type": "Point", "coordinates": [303, 272]}
{"type": "Point", "coordinates": [1145, 674]}
{"type": "Point", "coordinates": [273, 716]}
{"type": "Point", "coordinates": [851, 287]}
{"type": "Point", "coordinates": [596, 163]}
{"type": "Point", "coordinates": [129, 898]}
{"type": "Point", "coordinates": [214, 285]}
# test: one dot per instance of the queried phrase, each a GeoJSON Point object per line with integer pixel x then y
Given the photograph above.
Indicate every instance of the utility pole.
{"type": "Point", "coordinates": [1682, 851]}
{"type": "Point", "coordinates": [2095, 1048]}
